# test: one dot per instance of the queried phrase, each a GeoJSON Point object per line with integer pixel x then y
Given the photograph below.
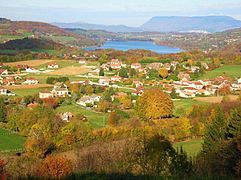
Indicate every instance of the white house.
{"type": "Point", "coordinates": [115, 78]}
{"type": "Point", "coordinates": [116, 64]}
{"type": "Point", "coordinates": [104, 81]}
{"type": "Point", "coordinates": [53, 66]}
{"type": "Point", "coordinates": [45, 94]}
{"type": "Point", "coordinates": [88, 100]}
{"type": "Point", "coordinates": [82, 61]}
{"type": "Point", "coordinates": [60, 90]}
{"type": "Point", "coordinates": [3, 91]}
{"type": "Point", "coordinates": [136, 66]}
{"type": "Point", "coordinates": [31, 81]}
{"type": "Point", "coordinates": [66, 116]}
{"type": "Point", "coordinates": [31, 70]}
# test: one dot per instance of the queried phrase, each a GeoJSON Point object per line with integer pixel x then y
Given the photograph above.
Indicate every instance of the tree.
{"type": "Point", "coordinates": [2, 110]}
{"type": "Point", "coordinates": [126, 102]}
{"type": "Point", "coordinates": [104, 106]}
{"type": "Point", "coordinates": [101, 73]}
{"type": "Point", "coordinates": [173, 94]}
{"type": "Point", "coordinates": [154, 104]}
{"type": "Point", "coordinates": [215, 131]}
{"type": "Point", "coordinates": [234, 126]}
{"type": "Point", "coordinates": [153, 74]}
{"type": "Point", "coordinates": [113, 119]}
{"type": "Point", "coordinates": [163, 72]}
{"type": "Point", "coordinates": [55, 167]}
{"type": "Point", "coordinates": [123, 73]}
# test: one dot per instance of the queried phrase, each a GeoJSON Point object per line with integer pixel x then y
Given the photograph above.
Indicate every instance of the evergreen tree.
{"type": "Point", "coordinates": [123, 73]}
{"type": "Point", "coordinates": [101, 73]}
{"type": "Point", "coordinates": [234, 127]}
{"type": "Point", "coordinates": [215, 132]}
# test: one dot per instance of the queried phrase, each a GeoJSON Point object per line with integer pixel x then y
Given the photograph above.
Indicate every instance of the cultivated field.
{"type": "Point", "coordinates": [32, 86]}
{"type": "Point", "coordinates": [71, 70]}
{"type": "Point", "coordinates": [228, 70]}
{"type": "Point", "coordinates": [10, 142]}
{"type": "Point", "coordinates": [217, 99]}
{"type": "Point", "coordinates": [33, 63]}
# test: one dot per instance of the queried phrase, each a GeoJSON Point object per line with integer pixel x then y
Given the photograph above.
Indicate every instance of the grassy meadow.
{"type": "Point", "coordinates": [227, 70]}
{"type": "Point", "coordinates": [10, 141]}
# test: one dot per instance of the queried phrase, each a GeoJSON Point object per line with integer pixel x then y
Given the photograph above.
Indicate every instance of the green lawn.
{"type": "Point", "coordinates": [185, 105]}
{"type": "Point", "coordinates": [10, 142]}
{"type": "Point", "coordinates": [26, 92]}
{"type": "Point", "coordinates": [228, 70]}
{"type": "Point", "coordinates": [191, 147]}
{"type": "Point", "coordinates": [96, 119]}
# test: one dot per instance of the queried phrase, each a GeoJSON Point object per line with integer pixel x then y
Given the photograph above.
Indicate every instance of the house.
{"type": "Point", "coordinates": [156, 66]}
{"type": "Point", "coordinates": [195, 69]}
{"type": "Point", "coordinates": [3, 91]}
{"type": "Point", "coordinates": [66, 116]}
{"type": "Point", "coordinates": [88, 100]}
{"type": "Point", "coordinates": [136, 66]}
{"type": "Point", "coordinates": [82, 61]}
{"type": "Point", "coordinates": [45, 94]}
{"type": "Point", "coordinates": [32, 105]}
{"type": "Point", "coordinates": [1, 65]}
{"type": "Point", "coordinates": [196, 84]}
{"type": "Point", "coordinates": [205, 65]}
{"type": "Point", "coordinates": [8, 81]}
{"type": "Point", "coordinates": [3, 72]}
{"type": "Point", "coordinates": [115, 78]}
{"type": "Point", "coordinates": [105, 66]}
{"type": "Point", "coordinates": [167, 66]}
{"type": "Point", "coordinates": [116, 64]}
{"type": "Point", "coordinates": [183, 76]}
{"type": "Point", "coordinates": [137, 83]}
{"type": "Point", "coordinates": [31, 81]}
{"type": "Point", "coordinates": [138, 91]}
{"type": "Point", "coordinates": [104, 81]}
{"type": "Point", "coordinates": [60, 90]}
{"type": "Point", "coordinates": [53, 66]}
{"type": "Point", "coordinates": [31, 70]}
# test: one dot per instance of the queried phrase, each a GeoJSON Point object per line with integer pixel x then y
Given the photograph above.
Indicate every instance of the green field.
{"type": "Point", "coordinates": [26, 92]}
{"type": "Point", "coordinates": [10, 142]}
{"type": "Point", "coordinates": [185, 105]}
{"type": "Point", "coordinates": [228, 70]}
{"type": "Point", "coordinates": [96, 119]}
{"type": "Point", "coordinates": [192, 147]}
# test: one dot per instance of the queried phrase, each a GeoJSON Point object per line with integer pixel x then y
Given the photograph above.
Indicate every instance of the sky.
{"type": "Point", "coordinates": [114, 12]}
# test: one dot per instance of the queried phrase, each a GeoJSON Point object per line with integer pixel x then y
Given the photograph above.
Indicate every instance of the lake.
{"type": "Point", "coordinates": [127, 45]}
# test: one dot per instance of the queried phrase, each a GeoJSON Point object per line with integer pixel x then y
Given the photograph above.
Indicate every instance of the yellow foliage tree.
{"type": "Point", "coordinates": [163, 73]}
{"type": "Point", "coordinates": [154, 104]}
{"type": "Point", "coordinates": [126, 102]}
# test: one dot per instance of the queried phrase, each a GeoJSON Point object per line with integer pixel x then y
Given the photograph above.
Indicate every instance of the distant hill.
{"type": "Point", "coordinates": [185, 24]}
{"type": "Point", "coordinates": [10, 30]}
{"type": "Point", "coordinates": [109, 28]}
{"type": "Point", "coordinates": [30, 44]}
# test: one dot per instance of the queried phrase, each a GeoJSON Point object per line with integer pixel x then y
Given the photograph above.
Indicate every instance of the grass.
{"type": "Point", "coordinates": [26, 92]}
{"type": "Point", "coordinates": [228, 70]}
{"type": "Point", "coordinates": [191, 147]}
{"type": "Point", "coordinates": [185, 105]}
{"type": "Point", "coordinates": [63, 39]}
{"type": "Point", "coordinates": [95, 119]}
{"type": "Point", "coordinates": [10, 141]}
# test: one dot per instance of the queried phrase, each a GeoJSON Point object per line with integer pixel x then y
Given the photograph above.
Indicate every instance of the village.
{"type": "Point", "coordinates": [126, 79]}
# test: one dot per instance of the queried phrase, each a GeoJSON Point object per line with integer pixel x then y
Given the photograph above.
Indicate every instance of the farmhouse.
{"type": "Point", "coordinates": [66, 116]}
{"type": "Point", "coordinates": [137, 83]}
{"type": "Point", "coordinates": [138, 91]}
{"type": "Point", "coordinates": [53, 66]}
{"type": "Point", "coordinates": [116, 64]}
{"type": "Point", "coordinates": [156, 66]}
{"type": "Point", "coordinates": [31, 81]}
{"type": "Point", "coordinates": [60, 90]}
{"type": "Point", "coordinates": [45, 94]}
{"type": "Point", "coordinates": [88, 100]}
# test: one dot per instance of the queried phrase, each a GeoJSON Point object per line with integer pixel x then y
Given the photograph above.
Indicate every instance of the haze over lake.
{"type": "Point", "coordinates": [127, 45]}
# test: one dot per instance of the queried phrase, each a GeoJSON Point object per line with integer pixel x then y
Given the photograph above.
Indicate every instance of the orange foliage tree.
{"type": "Point", "coordinates": [55, 167]}
{"type": "Point", "coordinates": [163, 73]}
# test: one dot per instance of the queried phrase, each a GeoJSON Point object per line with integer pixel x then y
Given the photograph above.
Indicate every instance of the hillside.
{"type": "Point", "coordinates": [10, 30]}
{"type": "Point", "coordinates": [199, 23]}
{"type": "Point", "coordinates": [87, 26]}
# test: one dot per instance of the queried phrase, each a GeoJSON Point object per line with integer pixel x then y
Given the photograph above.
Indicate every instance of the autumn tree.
{"type": "Point", "coordinates": [113, 119]}
{"type": "Point", "coordinates": [55, 167]}
{"type": "Point", "coordinates": [154, 104]}
{"type": "Point", "coordinates": [125, 102]}
{"type": "Point", "coordinates": [225, 90]}
{"type": "Point", "coordinates": [163, 72]}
